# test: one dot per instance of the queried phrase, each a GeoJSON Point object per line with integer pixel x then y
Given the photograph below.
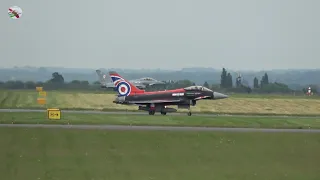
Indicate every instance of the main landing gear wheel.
{"type": "Point", "coordinates": [189, 113]}
{"type": "Point", "coordinates": [164, 113]}
{"type": "Point", "coordinates": [151, 112]}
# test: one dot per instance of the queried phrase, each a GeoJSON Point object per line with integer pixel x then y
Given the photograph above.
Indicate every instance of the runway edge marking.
{"type": "Point", "coordinates": [159, 128]}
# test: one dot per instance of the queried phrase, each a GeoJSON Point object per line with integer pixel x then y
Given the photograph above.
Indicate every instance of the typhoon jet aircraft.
{"type": "Point", "coordinates": [140, 83]}
{"type": "Point", "coordinates": [157, 101]}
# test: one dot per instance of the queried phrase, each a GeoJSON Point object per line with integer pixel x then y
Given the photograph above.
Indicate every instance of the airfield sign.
{"type": "Point", "coordinates": [41, 101]}
{"type": "Point", "coordinates": [39, 89]}
{"type": "Point", "coordinates": [42, 96]}
{"type": "Point", "coordinates": [54, 114]}
{"type": "Point", "coordinates": [43, 93]}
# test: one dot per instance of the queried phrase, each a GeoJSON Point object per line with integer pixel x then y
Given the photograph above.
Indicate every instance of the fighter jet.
{"type": "Point", "coordinates": [141, 83]}
{"type": "Point", "coordinates": [157, 101]}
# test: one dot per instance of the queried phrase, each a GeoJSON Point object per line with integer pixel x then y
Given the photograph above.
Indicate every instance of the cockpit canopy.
{"type": "Point", "coordinates": [196, 88]}
{"type": "Point", "coordinates": [148, 79]}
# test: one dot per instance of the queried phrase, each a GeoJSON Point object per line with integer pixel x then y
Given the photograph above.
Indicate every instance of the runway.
{"type": "Point", "coordinates": [160, 128]}
{"type": "Point", "coordinates": [145, 113]}
{"type": "Point", "coordinates": [149, 128]}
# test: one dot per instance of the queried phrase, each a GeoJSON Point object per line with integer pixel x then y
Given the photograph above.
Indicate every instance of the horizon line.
{"type": "Point", "coordinates": [161, 69]}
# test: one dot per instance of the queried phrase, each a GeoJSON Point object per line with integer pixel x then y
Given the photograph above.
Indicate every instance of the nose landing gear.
{"type": "Point", "coordinates": [152, 112]}
{"type": "Point", "coordinates": [189, 113]}
{"type": "Point", "coordinates": [164, 113]}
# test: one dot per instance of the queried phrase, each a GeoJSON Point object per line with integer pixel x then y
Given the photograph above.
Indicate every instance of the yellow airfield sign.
{"type": "Point", "coordinates": [39, 89]}
{"type": "Point", "coordinates": [41, 101]}
{"type": "Point", "coordinates": [54, 114]}
{"type": "Point", "coordinates": [43, 93]}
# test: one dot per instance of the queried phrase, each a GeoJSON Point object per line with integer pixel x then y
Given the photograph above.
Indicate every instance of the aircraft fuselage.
{"type": "Point", "coordinates": [157, 101]}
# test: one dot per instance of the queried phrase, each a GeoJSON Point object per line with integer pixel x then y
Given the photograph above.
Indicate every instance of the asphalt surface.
{"type": "Point", "coordinates": [147, 128]}
{"type": "Point", "coordinates": [159, 128]}
{"type": "Point", "coordinates": [145, 113]}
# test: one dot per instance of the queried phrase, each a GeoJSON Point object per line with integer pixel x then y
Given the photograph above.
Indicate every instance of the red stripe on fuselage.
{"type": "Point", "coordinates": [160, 92]}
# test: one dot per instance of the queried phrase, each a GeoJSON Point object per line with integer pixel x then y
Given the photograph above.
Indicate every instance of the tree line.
{"type": "Point", "coordinates": [55, 83]}
{"type": "Point", "coordinates": [259, 86]}
{"type": "Point", "coordinates": [227, 84]}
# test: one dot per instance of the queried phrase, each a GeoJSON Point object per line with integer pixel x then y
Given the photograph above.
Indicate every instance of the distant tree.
{"type": "Point", "coordinates": [30, 85]}
{"type": "Point", "coordinates": [275, 88]}
{"type": "Point", "coordinates": [264, 80]}
{"type": "Point", "coordinates": [56, 82]}
{"type": "Point", "coordinates": [248, 89]}
{"type": "Point", "coordinates": [98, 82]}
{"type": "Point", "coordinates": [181, 84]}
{"type": "Point", "coordinates": [229, 83]}
{"type": "Point", "coordinates": [223, 80]}
{"type": "Point", "coordinates": [14, 85]}
{"type": "Point", "coordinates": [304, 90]}
{"type": "Point", "coordinates": [57, 78]}
{"type": "Point", "coordinates": [85, 83]}
{"type": "Point", "coordinates": [75, 82]}
{"type": "Point", "coordinates": [206, 84]}
{"type": "Point", "coordinates": [255, 82]}
{"type": "Point", "coordinates": [215, 86]}
{"type": "Point", "coordinates": [39, 84]}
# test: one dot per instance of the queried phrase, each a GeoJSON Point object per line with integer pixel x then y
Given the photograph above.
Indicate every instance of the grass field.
{"type": "Point", "coordinates": [252, 122]}
{"type": "Point", "coordinates": [52, 154]}
{"type": "Point", "coordinates": [273, 96]}
{"type": "Point", "coordinates": [103, 101]}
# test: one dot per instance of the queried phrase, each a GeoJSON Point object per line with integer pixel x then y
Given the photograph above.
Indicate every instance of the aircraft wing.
{"type": "Point", "coordinates": [140, 86]}
{"type": "Point", "coordinates": [109, 85]}
{"type": "Point", "coordinates": [154, 83]}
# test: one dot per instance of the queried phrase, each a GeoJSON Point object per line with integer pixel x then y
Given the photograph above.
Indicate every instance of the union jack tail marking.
{"type": "Point", "coordinates": [124, 87]}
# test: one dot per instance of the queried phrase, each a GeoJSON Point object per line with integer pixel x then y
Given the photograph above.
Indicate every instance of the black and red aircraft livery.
{"type": "Point", "coordinates": [157, 101]}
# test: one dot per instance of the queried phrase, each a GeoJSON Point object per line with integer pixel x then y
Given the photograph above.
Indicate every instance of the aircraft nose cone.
{"type": "Point", "coordinates": [217, 95]}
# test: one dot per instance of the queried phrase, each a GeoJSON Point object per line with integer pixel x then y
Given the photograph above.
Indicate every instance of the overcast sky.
{"type": "Point", "coordinates": [167, 34]}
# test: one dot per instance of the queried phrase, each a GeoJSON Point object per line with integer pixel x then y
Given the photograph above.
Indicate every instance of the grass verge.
{"type": "Point", "coordinates": [51, 154]}
{"type": "Point", "coordinates": [250, 122]}
{"type": "Point", "coordinates": [101, 101]}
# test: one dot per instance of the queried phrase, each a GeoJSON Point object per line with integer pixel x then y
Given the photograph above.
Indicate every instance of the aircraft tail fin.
{"type": "Point", "coordinates": [123, 87]}
{"type": "Point", "coordinates": [102, 78]}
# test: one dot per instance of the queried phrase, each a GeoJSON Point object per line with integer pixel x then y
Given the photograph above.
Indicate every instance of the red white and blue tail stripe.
{"type": "Point", "coordinates": [123, 87]}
